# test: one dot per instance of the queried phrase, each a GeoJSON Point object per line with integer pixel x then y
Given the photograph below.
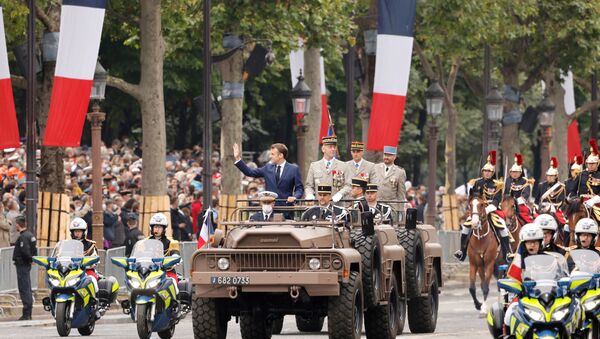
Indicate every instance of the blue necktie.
{"type": "Point", "coordinates": [278, 174]}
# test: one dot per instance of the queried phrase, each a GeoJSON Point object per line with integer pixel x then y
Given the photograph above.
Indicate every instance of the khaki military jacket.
{"type": "Point", "coordinates": [391, 184]}
{"type": "Point", "coordinates": [366, 170]}
{"type": "Point", "coordinates": [319, 174]}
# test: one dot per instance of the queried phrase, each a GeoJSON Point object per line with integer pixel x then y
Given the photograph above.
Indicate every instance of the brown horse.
{"type": "Point", "coordinates": [482, 250]}
{"type": "Point", "coordinates": [509, 208]}
{"type": "Point", "coordinates": [577, 210]}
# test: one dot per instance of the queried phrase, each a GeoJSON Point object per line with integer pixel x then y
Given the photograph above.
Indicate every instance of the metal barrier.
{"type": "Point", "coordinates": [109, 269]}
{"type": "Point", "coordinates": [187, 250]}
{"type": "Point", "coordinates": [8, 272]}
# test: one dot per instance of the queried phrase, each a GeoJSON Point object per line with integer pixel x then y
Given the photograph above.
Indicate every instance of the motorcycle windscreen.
{"type": "Point", "coordinates": [586, 261]}
{"type": "Point", "coordinates": [545, 270]}
{"type": "Point", "coordinates": [68, 248]}
{"type": "Point", "coordinates": [148, 248]}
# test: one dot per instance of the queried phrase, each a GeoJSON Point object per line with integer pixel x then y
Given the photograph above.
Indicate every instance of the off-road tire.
{"type": "Point", "coordinates": [143, 324]}
{"type": "Point", "coordinates": [415, 263]}
{"type": "Point", "coordinates": [63, 323]}
{"type": "Point", "coordinates": [207, 320]}
{"type": "Point", "coordinates": [314, 324]}
{"type": "Point", "coordinates": [168, 333]}
{"type": "Point", "coordinates": [255, 327]}
{"type": "Point", "coordinates": [381, 322]}
{"type": "Point", "coordinates": [423, 311]}
{"type": "Point", "coordinates": [368, 246]}
{"type": "Point", "coordinates": [277, 325]}
{"type": "Point", "coordinates": [89, 329]}
{"type": "Point", "coordinates": [345, 312]}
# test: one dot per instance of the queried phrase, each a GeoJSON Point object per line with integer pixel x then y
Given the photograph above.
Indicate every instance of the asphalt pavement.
{"type": "Point", "coordinates": [457, 318]}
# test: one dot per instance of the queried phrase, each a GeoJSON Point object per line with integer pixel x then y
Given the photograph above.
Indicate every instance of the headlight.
{"type": "Point", "coordinates": [54, 281]}
{"type": "Point", "coordinates": [534, 314]}
{"type": "Point", "coordinates": [336, 263]}
{"type": "Point", "coordinates": [314, 264]}
{"type": "Point", "coordinates": [72, 281]}
{"type": "Point", "coordinates": [134, 283]}
{"type": "Point", "coordinates": [223, 264]}
{"type": "Point", "coordinates": [153, 283]}
{"type": "Point", "coordinates": [591, 304]}
{"type": "Point", "coordinates": [560, 313]}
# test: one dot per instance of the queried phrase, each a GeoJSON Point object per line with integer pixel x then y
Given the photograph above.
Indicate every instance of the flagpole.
{"type": "Point", "coordinates": [30, 183]}
{"type": "Point", "coordinates": [350, 99]}
{"type": "Point", "coordinates": [207, 177]}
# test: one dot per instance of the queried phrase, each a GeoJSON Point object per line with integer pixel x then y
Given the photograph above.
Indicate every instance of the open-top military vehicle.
{"type": "Point", "coordinates": [261, 271]}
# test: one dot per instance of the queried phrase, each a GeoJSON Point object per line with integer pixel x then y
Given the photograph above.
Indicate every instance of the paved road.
{"type": "Point", "coordinates": [457, 318]}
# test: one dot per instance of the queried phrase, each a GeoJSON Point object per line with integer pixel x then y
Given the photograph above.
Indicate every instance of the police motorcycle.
{"type": "Point", "coordinates": [156, 302]}
{"type": "Point", "coordinates": [76, 300]}
{"type": "Point", "coordinates": [587, 274]}
{"type": "Point", "coordinates": [546, 305]}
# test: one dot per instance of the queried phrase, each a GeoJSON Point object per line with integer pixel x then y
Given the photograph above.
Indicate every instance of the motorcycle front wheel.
{"type": "Point", "coordinates": [63, 320]}
{"type": "Point", "coordinates": [143, 321]}
{"type": "Point", "coordinates": [168, 333]}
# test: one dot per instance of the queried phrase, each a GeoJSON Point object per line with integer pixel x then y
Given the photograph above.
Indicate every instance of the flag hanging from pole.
{"type": "Point", "coordinates": [297, 64]}
{"type": "Point", "coordinates": [207, 229]}
{"type": "Point", "coordinates": [9, 130]}
{"type": "Point", "coordinates": [392, 67]}
{"type": "Point", "coordinates": [80, 31]}
{"type": "Point", "coordinates": [573, 142]}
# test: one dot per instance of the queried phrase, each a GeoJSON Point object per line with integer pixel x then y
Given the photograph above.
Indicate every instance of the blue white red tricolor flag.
{"type": "Point", "coordinates": [573, 141]}
{"type": "Point", "coordinates": [80, 31]}
{"type": "Point", "coordinates": [9, 130]}
{"type": "Point", "coordinates": [297, 64]}
{"type": "Point", "coordinates": [515, 269]}
{"type": "Point", "coordinates": [207, 229]}
{"type": "Point", "coordinates": [392, 67]}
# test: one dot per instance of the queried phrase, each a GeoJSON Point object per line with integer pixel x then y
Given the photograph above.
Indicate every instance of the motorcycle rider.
{"type": "Point", "coordinates": [490, 190]}
{"type": "Point", "coordinates": [78, 229]}
{"type": "Point", "coordinates": [158, 227]}
{"type": "Point", "coordinates": [549, 226]}
{"type": "Point", "coordinates": [586, 231]}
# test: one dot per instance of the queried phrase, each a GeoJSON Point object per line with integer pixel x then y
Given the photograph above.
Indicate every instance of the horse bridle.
{"type": "Point", "coordinates": [477, 229]}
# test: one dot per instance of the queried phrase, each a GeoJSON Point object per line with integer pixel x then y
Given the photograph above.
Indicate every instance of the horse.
{"type": "Point", "coordinates": [510, 210]}
{"type": "Point", "coordinates": [482, 251]}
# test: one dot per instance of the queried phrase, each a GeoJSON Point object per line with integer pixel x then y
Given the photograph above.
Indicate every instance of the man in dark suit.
{"type": "Point", "coordinates": [280, 176]}
{"type": "Point", "coordinates": [267, 201]}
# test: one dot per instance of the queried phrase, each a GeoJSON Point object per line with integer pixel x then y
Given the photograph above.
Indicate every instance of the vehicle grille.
{"type": "Point", "coordinates": [273, 261]}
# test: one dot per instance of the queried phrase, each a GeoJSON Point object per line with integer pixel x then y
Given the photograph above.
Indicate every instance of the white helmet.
{"type": "Point", "coordinates": [77, 224]}
{"type": "Point", "coordinates": [531, 232]}
{"type": "Point", "coordinates": [546, 222]}
{"type": "Point", "coordinates": [586, 225]}
{"type": "Point", "coordinates": [159, 219]}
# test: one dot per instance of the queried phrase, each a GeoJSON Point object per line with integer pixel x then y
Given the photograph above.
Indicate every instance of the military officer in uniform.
{"type": "Point", "coordinates": [357, 167]}
{"type": "Point", "coordinates": [519, 187]}
{"type": "Point", "coordinates": [327, 171]}
{"type": "Point", "coordinates": [490, 190]}
{"type": "Point", "coordinates": [572, 183]}
{"type": "Point", "coordinates": [267, 202]}
{"type": "Point", "coordinates": [391, 179]}
{"type": "Point", "coordinates": [589, 186]}
{"type": "Point", "coordinates": [382, 211]}
{"type": "Point", "coordinates": [551, 194]}
{"type": "Point", "coordinates": [325, 209]}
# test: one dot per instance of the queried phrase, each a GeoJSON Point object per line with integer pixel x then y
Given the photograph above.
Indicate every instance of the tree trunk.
{"type": "Point", "coordinates": [561, 122]}
{"type": "Point", "coordinates": [450, 149]}
{"type": "Point", "coordinates": [151, 99]}
{"type": "Point", "coordinates": [312, 77]}
{"type": "Point", "coordinates": [510, 133]}
{"type": "Point", "coordinates": [231, 125]}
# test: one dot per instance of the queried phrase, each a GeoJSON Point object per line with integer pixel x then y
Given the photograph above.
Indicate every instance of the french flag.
{"type": "Point", "coordinates": [80, 31]}
{"type": "Point", "coordinates": [573, 142]}
{"type": "Point", "coordinates": [207, 229]}
{"type": "Point", "coordinates": [297, 64]}
{"type": "Point", "coordinates": [9, 130]}
{"type": "Point", "coordinates": [392, 67]}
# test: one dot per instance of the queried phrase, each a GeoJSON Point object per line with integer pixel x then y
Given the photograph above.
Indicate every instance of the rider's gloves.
{"type": "Point", "coordinates": [521, 201]}
{"type": "Point", "coordinates": [490, 208]}
{"type": "Point", "coordinates": [337, 197]}
{"type": "Point", "coordinates": [310, 196]}
{"type": "Point", "coordinates": [592, 201]}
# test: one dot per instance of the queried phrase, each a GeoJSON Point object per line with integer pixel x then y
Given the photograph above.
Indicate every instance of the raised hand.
{"type": "Point", "coordinates": [236, 152]}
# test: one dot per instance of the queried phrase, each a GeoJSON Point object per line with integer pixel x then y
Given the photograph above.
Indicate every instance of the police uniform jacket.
{"type": "Point", "coordinates": [517, 188]}
{"type": "Point", "coordinates": [365, 169]}
{"type": "Point", "coordinates": [134, 236]}
{"type": "Point", "coordinates": [25, 249]}
{"type": "Point", "coordinates": [89, 247]}
{"type": "Point", "coordinates": [556, 197]}
{"type": "Point", "coordinates": [590, 183]}
{"type": "Point", "coordinates": [391, 183]}
{"type": "Point", "coordinates": [170, 246]}
{"type": "Point", "coordinates": [385, 211]}
{"type": "Point", "coordinates": [325, 213]}
{"type": "Point", "coordinates": [260, 216]}
{"type": "Point", "coordinates": [489, 189]}
{"type": "Point", "coordinates": [320, 174]}
{"type": "Point", "coordinates": [552, 247]}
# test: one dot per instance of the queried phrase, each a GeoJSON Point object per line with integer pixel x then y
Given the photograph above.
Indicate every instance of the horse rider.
{"type": "Point", "coordinates": [589, 183]}
{"type": "Point", "coordinates": [572, 183]}
{"type": "Point", "coordinates": [549, 227]}
{"type": "Point", "coordinates": [519, 187]}
{"type": "Point", "coordinates": [325, 209]}
{"type": "Point", "coordinates": [491, 191]}
{"type": "Point", "coordinates": [551, 194]}
{"type": "Point", "coordinates": [382, 212]}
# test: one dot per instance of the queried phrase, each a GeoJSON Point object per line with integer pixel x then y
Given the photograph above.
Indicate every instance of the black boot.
{"type": "Point", "coordinates": [464, 242]}
{"type": "Point", "coordinates": [505, 247]}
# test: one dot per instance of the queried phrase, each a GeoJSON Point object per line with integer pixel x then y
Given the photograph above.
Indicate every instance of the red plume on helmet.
{"type": "Point", "coordinates": [579, 160]}
{"type": "Point", "coordinates": [492, 157]}
{"type": "Point", "coordinates": [553, 162]}
{"type": "Point", "coordinates": [519, 159]}
{"type": "Point", "coordinates": [593, 146]}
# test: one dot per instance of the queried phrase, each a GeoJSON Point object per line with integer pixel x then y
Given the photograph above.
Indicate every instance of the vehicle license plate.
{"type": "Point", "coordinates": [235, 280]}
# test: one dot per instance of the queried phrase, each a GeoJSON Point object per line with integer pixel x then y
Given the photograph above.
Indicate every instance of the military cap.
{"type": "Point", "coordinates": [331, 140]}
{"type": "Point", "coordinates": [390, 150]}
{"type": "Point", "coordinates": [357, 146]}
{"type": "Point", "coordinates": [372, 188]}
{"type": "Point", "coordinates": [324, 189]}
{"type": "Point", "coordinates": [267, 196]}
{"type": "Point", "coordinates": [360, 182]}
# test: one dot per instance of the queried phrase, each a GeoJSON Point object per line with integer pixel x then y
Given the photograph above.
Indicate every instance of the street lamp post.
{"type": "Point", "coordinates": [434, 98]}
{"type": "Point", "coordinates": [96, 118]}
{"type": "Point", "coordinates": [546, 118]}
{"type": "Point", "coordinates": [494, 106]}
{"type": "Point", "coordinates": [301, 95]}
